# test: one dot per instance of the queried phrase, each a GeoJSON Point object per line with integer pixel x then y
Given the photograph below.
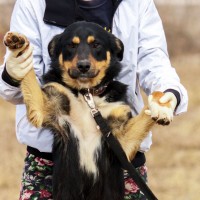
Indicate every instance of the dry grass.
{"type": "Point", "coordinates": [12, 154]}
{"type": "Point", "coordinates": [173, 160]}
{"type": "Point", "coordinates": [174, 157]}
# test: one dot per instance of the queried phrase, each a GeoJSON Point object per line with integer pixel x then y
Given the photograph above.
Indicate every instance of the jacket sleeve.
{"type": "Point", "coordinates": [23, 21]}
{"type": "Point", "coordinates": [154, 68]}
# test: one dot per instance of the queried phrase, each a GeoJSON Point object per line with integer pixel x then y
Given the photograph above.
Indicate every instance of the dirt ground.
{"type": "Point", "coordinates": [174, 158]}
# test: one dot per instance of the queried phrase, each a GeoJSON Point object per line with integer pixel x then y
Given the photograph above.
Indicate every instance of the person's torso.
{"type": "Point", "coordinates": [124, 26]}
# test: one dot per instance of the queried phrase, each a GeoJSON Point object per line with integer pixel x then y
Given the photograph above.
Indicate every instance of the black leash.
{"type": "Point", "coordinates": [116, 147]}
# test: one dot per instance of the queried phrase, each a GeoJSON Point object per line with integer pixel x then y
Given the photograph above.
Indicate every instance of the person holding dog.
{"type": "Point", "coordinates": [145, 64]}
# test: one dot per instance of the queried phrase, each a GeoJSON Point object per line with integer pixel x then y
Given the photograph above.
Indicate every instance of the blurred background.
{"type": "Point", "coordinates": [174, 159]}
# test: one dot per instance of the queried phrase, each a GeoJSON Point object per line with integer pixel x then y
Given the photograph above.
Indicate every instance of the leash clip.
{"type": "Point", "coordinates": [94, 112]}
{"type": "Point", "coordinates": [89, 99]}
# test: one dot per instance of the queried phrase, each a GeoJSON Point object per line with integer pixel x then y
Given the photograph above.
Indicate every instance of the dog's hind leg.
{"type": "Point", "coordinates": [32, 93]}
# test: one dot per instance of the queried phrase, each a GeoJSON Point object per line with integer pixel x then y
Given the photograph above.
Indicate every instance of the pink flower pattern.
{"type": "Point", "coordinates": [130, 186]}
{"type": "Point", "coordinates": [37, 180]}
{"type": "Point", "coordinates": [44, 194]}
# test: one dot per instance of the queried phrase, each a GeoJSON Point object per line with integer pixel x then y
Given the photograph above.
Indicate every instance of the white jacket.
{"type": "Point", "coordinates": [145, 61]}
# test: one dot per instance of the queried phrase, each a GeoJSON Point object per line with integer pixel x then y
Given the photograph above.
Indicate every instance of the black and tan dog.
{"type": "Point", "coordinates": [84, 56]}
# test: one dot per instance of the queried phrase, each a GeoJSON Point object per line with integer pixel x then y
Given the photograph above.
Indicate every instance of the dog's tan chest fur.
{"type": "Point", "coordinates": [85, 129]}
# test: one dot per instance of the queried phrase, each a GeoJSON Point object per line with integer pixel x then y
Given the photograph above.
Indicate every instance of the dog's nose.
{"type": "Point", "coordinates": [83, 65]}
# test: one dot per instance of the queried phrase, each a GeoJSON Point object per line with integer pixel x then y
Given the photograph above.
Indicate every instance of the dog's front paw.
{"type": "Point", "coordinates": [161, 113]}
{"type": "Point", "coordinates": [14, 40]}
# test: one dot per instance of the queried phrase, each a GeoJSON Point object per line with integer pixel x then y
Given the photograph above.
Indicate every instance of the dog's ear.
{"type": "Point", "coordinates": [54, 47]}
{"type": "Point", "coordinates": [117, 47]}
{"type": "Point", "coordinates": [120, 49]}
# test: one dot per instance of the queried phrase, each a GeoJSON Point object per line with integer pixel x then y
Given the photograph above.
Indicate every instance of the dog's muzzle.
{"type": "Point", "coordinates": [83, 70]}
{"type": "Point", "coordinates": [84, 74]}
{"type": "Point", "coordinates": [83, 66]}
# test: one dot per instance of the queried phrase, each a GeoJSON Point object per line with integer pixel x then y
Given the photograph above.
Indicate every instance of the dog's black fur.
{"type": "Point", "coordinates": [83, 57]}
{"type": "Point", "coordinates": [70, 181]}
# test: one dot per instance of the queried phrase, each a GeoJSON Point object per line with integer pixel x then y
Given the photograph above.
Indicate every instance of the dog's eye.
{"type": "Point", "coordinates": [95, 45]}
{"type": "Point", "coordinates": [71, 45]}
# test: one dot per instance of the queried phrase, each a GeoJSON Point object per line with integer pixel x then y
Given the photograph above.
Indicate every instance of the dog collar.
{"type": "Point", "coordinates": [95, 91]}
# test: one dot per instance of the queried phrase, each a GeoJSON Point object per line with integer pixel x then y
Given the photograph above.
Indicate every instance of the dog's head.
{"type": "Point", "coordinates": [86, 54]}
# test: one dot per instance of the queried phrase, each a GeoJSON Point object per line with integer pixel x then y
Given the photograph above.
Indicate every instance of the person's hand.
{"type": "Point", "coordinates": [161, 107]}
{"type": "Point", "coordinates": [18, 66]}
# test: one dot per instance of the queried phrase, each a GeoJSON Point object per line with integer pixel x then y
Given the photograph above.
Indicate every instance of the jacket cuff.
{"type": "Point", "coordinates": [8, 79]}
{"type": "Point", "coordinates": [177, 95]}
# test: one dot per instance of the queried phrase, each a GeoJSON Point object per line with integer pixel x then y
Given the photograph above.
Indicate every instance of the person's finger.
{"type": "Point", "coordinates": [26, 63]}
{"type": "Point", "coordinates": [25, 55]}
{"type": "Point", "coordinates": [26, 70]}
{"type": "Point", "coordinates": [147, 112]}
{"type": "Point", "coordinates": [150, 98]}
{"type": "Point", "coordinates": [29, 67]}
{"type": "Point", "coordinates": [166, 98]}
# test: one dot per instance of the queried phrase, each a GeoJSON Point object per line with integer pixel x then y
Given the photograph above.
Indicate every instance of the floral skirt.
{"type": "Point", "coordinates": [37, 180]}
